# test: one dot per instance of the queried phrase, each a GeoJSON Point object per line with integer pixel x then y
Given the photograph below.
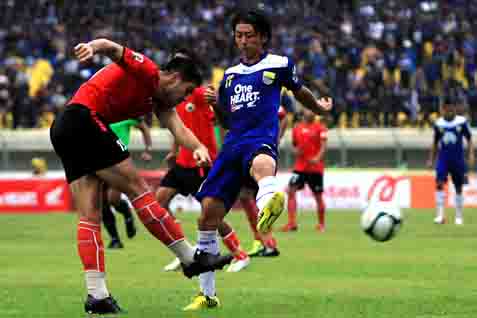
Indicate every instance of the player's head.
{"type": "Point", "coordinates": [450, 102]}
{"type": "Point", "coordinates": [252, 33]}
{"type": "Point", "coordinates": [178, 79]}
{"type": "Point", "coordinates": [308, 115]}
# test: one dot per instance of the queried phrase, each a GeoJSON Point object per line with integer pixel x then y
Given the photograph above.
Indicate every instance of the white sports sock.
{"type": "Point", "coordinates": [266, 189]}
{"type": "Point", "coordinates": [96, 284]}
{"type": "Point", "coordinates": [440, 200]}
{"type": "Point", "coordinates": [459, 203]}
{"type": "Point", "coordinates": [208, 243]}
{"type": "Point", "coordinates": [184, 251]}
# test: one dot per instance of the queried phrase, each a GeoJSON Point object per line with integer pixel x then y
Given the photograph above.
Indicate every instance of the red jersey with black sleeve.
{"type": "Point", "coordinates": [121, 90]}
{"type": "Point", "coordinates": [308, 138]}
{"type": "Point", "coordinates": [198, 116]}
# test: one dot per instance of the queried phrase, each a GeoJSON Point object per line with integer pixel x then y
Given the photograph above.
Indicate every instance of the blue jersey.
{"type": "Point", "coordinates": [449, 135]}
{"type": "Point", "coordinates": [249, 96]}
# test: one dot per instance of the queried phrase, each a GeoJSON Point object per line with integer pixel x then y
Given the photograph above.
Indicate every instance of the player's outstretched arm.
{"type": "Point", "coordinates": [84, 52]}
{"type": "Point", "coordinates": [183, 136]}
{"type": "Point", "coordinates": [308, 100]}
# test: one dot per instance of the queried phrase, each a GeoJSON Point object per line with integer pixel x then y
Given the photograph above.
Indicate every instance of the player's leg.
{"type": "Point", "coordinates": [87, 195]}
{"type": "Point", "coordinates": [296, 182]}
{"type": "Point", "coordinates": [122, 206]}
{"type": "Point", "coordinates": [232, 242]}
{"type": "Point", "coordinates": [270, 199]}
{"type": "Point", "coordinates": [125, 178]}
{"type": "Point", "coordinates": [109, 221]}
{"type": "Point", "coordinates": [315, 182]}
{"type": "Point", "coordinates": [441, 180]}
{"type": "Point", "coordinates": [458, 179]}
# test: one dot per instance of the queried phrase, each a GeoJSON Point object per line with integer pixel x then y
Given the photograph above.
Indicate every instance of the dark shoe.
{"type": "Point", "coordinates": [205, 262]}
{"type": "Point", "coordinates": [269, 252]}
{"type": "Point", "coordinates": [102, 306]}
{"type": "Point", "coordinates": [115, 244]}
{"type": "Point", "coordinates": [130, 227]}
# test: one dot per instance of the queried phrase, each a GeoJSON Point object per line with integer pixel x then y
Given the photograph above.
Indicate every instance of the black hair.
{"type": "Point", "coordinates": [255, 18]}
{"type": "Point", "coordinates": [187, 67]}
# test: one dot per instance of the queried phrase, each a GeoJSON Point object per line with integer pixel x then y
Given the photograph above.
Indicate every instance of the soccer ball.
{"type": "Point", "coordinates": [381, 221]}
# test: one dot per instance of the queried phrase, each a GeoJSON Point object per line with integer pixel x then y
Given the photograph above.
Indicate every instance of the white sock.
{"type": "Point", "coordinates": [440, 200]}
{"type": "Point", "coordinates": [184, 251]}
{"type": "Point", "coordinates": [208, 243]}
{"type": "Point", "coordinates": [266, 189]}
{"type": "Point", "coordinates": [96, 284]}
{"type": "Point", "coordinates": [459, 203]}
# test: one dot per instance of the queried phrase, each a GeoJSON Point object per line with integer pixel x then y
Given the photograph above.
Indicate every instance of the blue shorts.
{"type": "Point", "coordinates": [457, 170]}
{"type": "Point", "coordinates": [231, 171]}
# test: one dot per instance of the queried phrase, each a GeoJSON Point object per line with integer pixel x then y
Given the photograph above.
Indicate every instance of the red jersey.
{"type": "Point", "coordinates": [309, 139]}
{"type": "Point", "coordinates": [197, 115]}
{"type": "Point", "coordinates": [121, 90]}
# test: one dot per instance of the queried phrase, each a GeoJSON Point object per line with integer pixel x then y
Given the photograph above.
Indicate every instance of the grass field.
{"type": "Point", "coordinates": [427, 271]}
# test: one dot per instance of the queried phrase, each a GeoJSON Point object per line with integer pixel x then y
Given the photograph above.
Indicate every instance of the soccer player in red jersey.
{"type": "Point", "coordinates": [92, 154]}
{"type": "Point", "coordinates": [185, 177]}
{"type": "Point", "coordinates": [309, 139]}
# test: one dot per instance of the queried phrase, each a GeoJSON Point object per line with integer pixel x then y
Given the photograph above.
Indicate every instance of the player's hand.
{"type": "Point", "coordinates": [326, 103]}
{"type": "Point", "coordinates": [430, 163]}
{"type": "Point", "coordinates": [84, 52]}
{"type": "Point", "coordinates": [210, 95]}
{"type": "Point", "coordinates": [146, 156]}
{"type": "Point", "coordinates": [202, 157]}
{"type": "Point", "coordinates": [170, 159]}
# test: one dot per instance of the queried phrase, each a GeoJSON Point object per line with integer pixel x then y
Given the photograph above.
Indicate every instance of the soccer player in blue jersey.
{"type": "Point", "coordinates": [247, 104]}
{"type": "Point", "coordinates": [448, 147]}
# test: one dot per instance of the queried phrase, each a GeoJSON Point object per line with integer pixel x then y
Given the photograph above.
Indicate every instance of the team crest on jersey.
{"type": "Point", "coordinates": [190, 107]}
{"type": "Point", "coordinates": [268, 77]}
{"type": "Point", "coordinates": [228, 80]}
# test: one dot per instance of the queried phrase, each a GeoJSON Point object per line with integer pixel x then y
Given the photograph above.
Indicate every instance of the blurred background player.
{"type": "Point", "coordinates": [448, 148]}
{"type": "Point", "coordinates": [185, 177]}
{"type": "Point", "coordinates": [113, 198]}
{"type": "Point", "coordinates": [309, 141]}
{"type": "Point", "coordinates": [247, 105]}
{"type": "Point", "coordinates": [92, 155]}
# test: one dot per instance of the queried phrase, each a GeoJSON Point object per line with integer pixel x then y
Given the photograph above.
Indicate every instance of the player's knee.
{"type": "Point", "coordinates": [163, 198]}
{"type": "Point", "coordinates": [262, 166]}
{"type": "Point", "coordinates": [137, 185]}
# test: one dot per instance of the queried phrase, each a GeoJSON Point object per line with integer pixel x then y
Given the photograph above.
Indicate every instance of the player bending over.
{"type": "Point", "coordinates": [92, 154]}
{"type": "Point", "coordinates": [448, 147]}
{"type": "Point", "coordinates": [113, 198]}
{"type": "Point", "coordinates": [247, 104]}
{"type": "Point", "coordinates": [309, 142]}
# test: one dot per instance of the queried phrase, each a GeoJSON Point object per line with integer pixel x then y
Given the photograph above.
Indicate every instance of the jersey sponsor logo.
{"type": "Point", "coordinates": [244, 95]}
{"type": "Point", "coordinates": [268, 77]}
{"type": "Point", "coordinates": [449, 138]}
{"type": "Point", "coordinates": [138, 57]}
{"type": "Point", "coordinates": [189, 107]}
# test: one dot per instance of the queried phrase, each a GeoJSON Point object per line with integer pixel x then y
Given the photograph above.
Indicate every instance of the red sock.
{"type": "Point", "coordinates": [320, 208]}
{"type": "Point", "coordinates": [291, 209]}
{"type": "Point", "coordinates": [251, 211]}
{"type": "Point", "coordinates": [271, 243]}
{"type": "Point", "coordinates": [157, 220]}
{"type": "Point", "coordinates": [232, 242]}
{"type": "Point", "coordinates": [90, 246]}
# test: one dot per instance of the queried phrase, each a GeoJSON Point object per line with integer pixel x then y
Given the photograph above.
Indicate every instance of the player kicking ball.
{"type": "Point", "coordinates": [448, 147]}
{"type": "Point", "coordinates": [92, 154]}
{"type": "Point", "coordinates": [247, 104]}
{"type": "Point", "coordinates": [309, 142]}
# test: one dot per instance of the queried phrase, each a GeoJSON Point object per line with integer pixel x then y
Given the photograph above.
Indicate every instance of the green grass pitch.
{"type": "Point", "coordinates": [426, 271]}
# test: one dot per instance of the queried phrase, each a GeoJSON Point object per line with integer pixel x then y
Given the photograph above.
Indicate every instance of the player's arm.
{"type": "Point", "coordinates": [308, 100]}
{"type": "Point", "coordinates": [320, 155]}
{"type": "Point", "coordinates": [470, 145]}
{"type": "Point", "coordinates": [214, 99]}
{"type": "Point", "coordinates": [146, 137]}
{"type": "Point", "coordinates": [434, 148]}
{"type": "Point", "coordinates": [183, 136]}
{"type": "Point", "coordinates": [84, 52]}
{"type": "Point", "coordinates": [283, 127]}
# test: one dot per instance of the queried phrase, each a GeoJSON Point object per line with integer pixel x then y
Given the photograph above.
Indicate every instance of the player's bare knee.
{"type": "Point", "coordinates": [262, 166]}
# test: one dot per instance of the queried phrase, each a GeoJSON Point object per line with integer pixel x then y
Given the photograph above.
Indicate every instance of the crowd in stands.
{"type": "Point", "coordinates": [387, 63]}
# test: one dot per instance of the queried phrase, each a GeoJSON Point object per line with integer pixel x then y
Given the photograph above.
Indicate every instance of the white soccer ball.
{"type": "Point", "coordinates": [381, 221]}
